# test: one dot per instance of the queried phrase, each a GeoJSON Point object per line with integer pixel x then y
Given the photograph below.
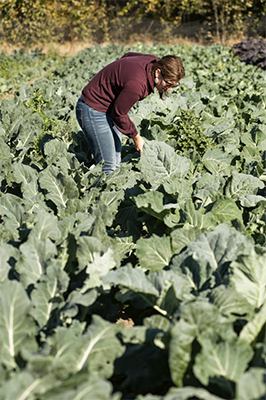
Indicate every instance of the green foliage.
{"type": "Point", "coordinates": [220, 18]}
{"type": "Point", "coordinates": [37, 104]}
{"type": "Point", "coordinates": [11, 65]}
{"type": "Point", "coordinates": [24, 66]}
{"type": "Point", "coordinates": [149, 283]}
{"type": "Point", "coordinates": [42, 20]}
{"type": "Point", "coordinates": [223, 18]}
{"type": "Point", "coordinates": [163, 10]}
{"type": "Point", "coordinates": [188, 134]}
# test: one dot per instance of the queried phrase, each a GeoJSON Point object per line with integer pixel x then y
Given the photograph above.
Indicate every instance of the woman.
{"type": "Point", "coordinates": [102, 110]}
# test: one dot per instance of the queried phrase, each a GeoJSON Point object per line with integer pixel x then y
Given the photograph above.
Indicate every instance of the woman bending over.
{"type": "Point", "coordinates": [102, 110]}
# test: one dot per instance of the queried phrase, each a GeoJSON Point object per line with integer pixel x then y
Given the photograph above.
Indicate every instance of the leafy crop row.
{"type": "Point", "coordinates": [150, 284]}
{"type": "Point", "coordinates": [20, 67]}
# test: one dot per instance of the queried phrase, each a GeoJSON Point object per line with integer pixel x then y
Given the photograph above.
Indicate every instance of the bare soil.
{"type": "Point", "coordinates": [72, 48]}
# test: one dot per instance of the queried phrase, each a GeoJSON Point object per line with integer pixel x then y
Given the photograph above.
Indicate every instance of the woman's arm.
{"type": "Point", "coordinates": [130, 94]}
{"type": "Point", "coordinates": [139, 143]}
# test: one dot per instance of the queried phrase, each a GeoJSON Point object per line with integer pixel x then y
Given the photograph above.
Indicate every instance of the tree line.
{"type": "Point", "coordinates": [36, 22]}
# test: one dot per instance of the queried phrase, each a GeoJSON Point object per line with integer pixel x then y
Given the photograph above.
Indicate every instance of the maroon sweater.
{"type": "Point", "coordinates": [118, 86]}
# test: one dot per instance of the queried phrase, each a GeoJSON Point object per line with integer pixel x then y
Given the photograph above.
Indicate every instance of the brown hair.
{"type": "Point", "coordinates": [171, 68]}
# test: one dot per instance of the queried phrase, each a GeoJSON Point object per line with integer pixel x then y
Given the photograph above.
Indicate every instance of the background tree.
{"type": "Point", "coordinates": [35, 22]}
{"type": "Point", "coordinates": [220, 17]}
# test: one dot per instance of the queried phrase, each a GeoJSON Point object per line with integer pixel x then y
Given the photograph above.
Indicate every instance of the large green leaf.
{"type": "Point", "coordinates": [154, 253]}
{"type": "Point", "coordinates": [159, 162]}
{"type": "Point", "coordinates": [131, 278]}
{"type": "Point", "coordinates": [255, 138]}
{"type": "Point", "coordinates": [162, 290]}
{"type": "Point", "coordinates": [57, 186]}
{"type": "Point", "coordinates": [29, 130]}
{"type": "Point", "coordinates": [12, 211]}
{"type": "Point", "coordinates": [242, 184]}
{"type": "Point", "coordinates": [173, 287]}
{"type": "Point", "coordinates": [180, 238]}
{"type": "Point", "coordinates": [45, 226]}
{"type": "Point", "coordinates": [99, 267]}
{"type": "Point", "coordinates": [152, 203]}
{"type": "Point", "coordinates": [56, 153]}
{"type": "Point", "coordinates": [90, 251]}
{"type": "Point", "coordinates": [208, 185]}
{"type": "Point", "coordinates": [78, 224]}
{"type": "Point", "coordinates": [36, 255]}
{"type": "Point", "coordinates": [5, 157]}
{"type": "Point", "coordinates": [16, 326]}
{"type": "Point", "coordinates": [64, 345]}
{"type": "Point", "coordinates": [111, 201]}
{"type": "Point", "coordinates": [180, 187]}
{"type": "Point", "coordinates": [27, 385]}
{"type": "Point", "coordinates": [252, 329]}
{"type": "Point", "coordinates": [71, 350]}
{"type": "Point", "coordinates": [231, 304]}
{"type": "Point", "coordinates": [52, 286]}
{"type": "Point", "coordinates": [248, 276]}
{"type": "Point", "coordinates": [192, 217]}
{"type": "Point", "coordinates": [99, 348]}
{"type": "Point", "coordinates": [28, 177]}
{"type": "Point", "coordinates": [223, 210]}
{"type": "Point", "coordinates": [251, 385]}
{"type": "Point", "coordinates": [182, 336]}
{"type": "Point", "coordinates": [251, 200]}
{"type": "Point", "coordinates": [7, 252]}
{"type": "Point", "coordinates": [207, 319]}
{"type": "Point", "coordinates": [197, 318]}
{"type": "Point", "coordinates": [228, 359]}
{"type": "Point", "coordinates": [207, 257]}
{"type": "Point", "coordinates": [90, 388]}
{"type": "Point", "coordinates": [216, 162]}
{"type": "Point", "coordinates": [187, 393]}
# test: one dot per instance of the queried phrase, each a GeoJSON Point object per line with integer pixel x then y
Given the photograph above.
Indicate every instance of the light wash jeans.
{"type": "Point", "coordinates": [103, 137]}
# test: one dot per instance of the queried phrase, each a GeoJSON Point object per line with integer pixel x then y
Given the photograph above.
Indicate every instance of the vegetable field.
{"type": "Point", "coordinates": [150, 284]}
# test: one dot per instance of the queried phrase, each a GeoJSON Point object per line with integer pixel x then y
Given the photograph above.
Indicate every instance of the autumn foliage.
{"type": "Point", "coordinates": [33, 22]}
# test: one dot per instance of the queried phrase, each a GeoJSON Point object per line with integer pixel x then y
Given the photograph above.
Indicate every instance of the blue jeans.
{"type": "Point", "coordinates": [103, 137]}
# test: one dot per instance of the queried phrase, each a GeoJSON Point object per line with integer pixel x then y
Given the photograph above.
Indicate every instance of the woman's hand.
{"type": "Point", "coordinates": [139, 143]}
